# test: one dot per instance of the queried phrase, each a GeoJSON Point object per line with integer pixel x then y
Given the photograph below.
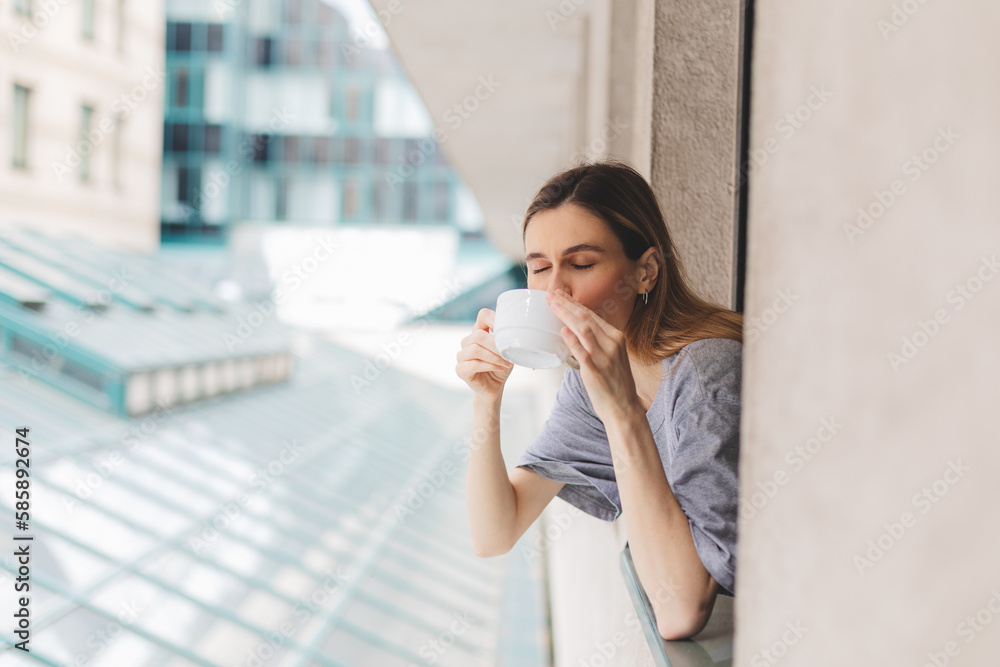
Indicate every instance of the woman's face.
{"type": "Point", "coordinates": [572, 249]}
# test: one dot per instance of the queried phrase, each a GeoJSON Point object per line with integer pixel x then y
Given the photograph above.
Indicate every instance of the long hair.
{"type": "Point", "coordinates": [675, 315]}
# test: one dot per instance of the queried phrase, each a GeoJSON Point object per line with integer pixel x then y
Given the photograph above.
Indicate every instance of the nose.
{"type": "Point", "coordinates": [558, 280]}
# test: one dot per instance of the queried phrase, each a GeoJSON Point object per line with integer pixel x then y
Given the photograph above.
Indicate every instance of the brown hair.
{"type": "Point", "coordinates": [619, 195]}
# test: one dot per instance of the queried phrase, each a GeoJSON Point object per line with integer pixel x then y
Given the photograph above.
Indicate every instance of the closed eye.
{"type": "Point", "coordinates": [580, 267]}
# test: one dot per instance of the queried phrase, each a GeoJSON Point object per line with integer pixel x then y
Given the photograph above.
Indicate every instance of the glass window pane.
{"type": "Point", "coordinates": [351, 103]}
{"type": "Point", "coordinates": [409, 200]}
{"type": "Point", "coordinates": [120, 27]}
{"type": "Point", "coordinates": [262, 51]}
{"type": "Point", "coordinates": [351, 150]}
{"type": "Point", "coordinates": [213, 138]}
{"type": "Point", "coordinates": [116, 156]}
{"type": "Point", "coordinates": [441, 200]}
{"type": "Point", "coordinates": [87, 26]}
{"type": "Point", "coordinates": [350, 199]}
{"type": "Point", "coordinates": [180, 138]}
{"type": "Point", "coordinates": [86, 120]}
{"type": "Point", "coordinates": [19, 157]}
{"type": "Point", "coordinates": [215, 33]}
{"type": "Point", "coordinates": [182, 37]}
{"type": "Point", "coordinates": [181, 87]}
{"type": "Point", "coordinates": [291, 149]}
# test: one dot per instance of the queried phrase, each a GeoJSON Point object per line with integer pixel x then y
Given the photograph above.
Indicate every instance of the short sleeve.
{"type": "Point", "coordinates": [572, 447]}
{"type": "Point", "coordinates": [704, 476]}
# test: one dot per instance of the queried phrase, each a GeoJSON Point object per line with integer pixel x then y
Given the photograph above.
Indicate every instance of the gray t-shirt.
{"type": "Point", "coordinates": [695, 421]}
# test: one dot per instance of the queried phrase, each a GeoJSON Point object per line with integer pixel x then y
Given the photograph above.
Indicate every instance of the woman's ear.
{"type": "Point", "coordinates": [649, 268]}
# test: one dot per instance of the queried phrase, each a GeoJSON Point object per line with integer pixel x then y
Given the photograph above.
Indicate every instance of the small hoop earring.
{"type": "Point", "coordinates": [645, 298]}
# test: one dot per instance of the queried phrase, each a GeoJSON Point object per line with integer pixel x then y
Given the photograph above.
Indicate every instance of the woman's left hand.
{"type": "Point", "coordinates": [601, 350]}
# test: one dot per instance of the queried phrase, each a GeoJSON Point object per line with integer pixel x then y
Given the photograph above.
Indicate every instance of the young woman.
{"type": "Point", "coordinates": [646, 422]}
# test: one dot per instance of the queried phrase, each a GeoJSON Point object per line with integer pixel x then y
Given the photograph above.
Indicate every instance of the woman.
{"type": "Point", "coordinates": [646, 422]}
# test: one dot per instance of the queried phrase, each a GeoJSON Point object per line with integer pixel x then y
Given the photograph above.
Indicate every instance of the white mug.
{"type": "Point", "coordinates": [526, 331]}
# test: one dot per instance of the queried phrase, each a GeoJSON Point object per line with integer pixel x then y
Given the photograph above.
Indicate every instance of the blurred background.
{"type": "Point", "coordinates": [241, 241]}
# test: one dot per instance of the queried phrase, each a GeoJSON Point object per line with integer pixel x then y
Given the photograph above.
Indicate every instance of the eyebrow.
{"type": "Point", "coordinates": [580, 247]}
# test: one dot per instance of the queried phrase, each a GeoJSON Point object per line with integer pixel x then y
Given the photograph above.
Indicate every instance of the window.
{"type": "Point", "coordinates": [262, 51]}
{"type": "Point", "coordinates": [188, 180]}
{"type": "Point", "coordinates": [181, 87]}
{"type": "Point", "coordinates": [87, 25]}
{"type": "Point", "coordinates": [179, 140]}
{"type": "Point", "coordinates": [215, 33]}
{"type": "Point", "coordinates": [281, 199]}
{"type": "Point", "coordinates": [381, 150]}
{"type": "Point", "coordinates": [306, 149]}
{"type": "Point", "coordinates": [120, 27]}
{"type": "Point", "coordinates": [293, 52]}
{"type": "Point", "coordinates": [322, 148]}
{"type": "Point", "coordinates": [260, 144]}
{"type": "Point", "coordinates": [323, 52]}
{"type": "Point", "coordinates": [19, 153]}
{"type": "Point", "coordinates": [350, 199]}
{"type": "Point", "coordinates": [182, 37]}
{"type": "Point", "coordinates": [409, 200]}
{"type": "Point", "coordinates": [116, 154]}
{"type": "Point", "coordinates": [380, 200]}
{"type": "Point", "coordinates": [86, 147]}
{"type": "Point", "coordinates": [351, 103]}
{"type": "Point", "coordinates": [351, 150]}
{"type": "Point", "coordinates": [441, 200]}
{"type": "Point", "coordinates": [213, 138]}
{"type": "Point", "coordinates": [291, 149]}
{"type": "Point", "coordinates": [293, 11]}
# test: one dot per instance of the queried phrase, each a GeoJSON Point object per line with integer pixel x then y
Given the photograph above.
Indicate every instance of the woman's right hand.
{"type": "Point", "coordinates": [479, 362]}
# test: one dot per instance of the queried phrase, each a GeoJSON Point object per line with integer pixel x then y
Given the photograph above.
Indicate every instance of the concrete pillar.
{"type": "Point", "coordinates": [685, 137]}
{"type": "Point", "coordinates": [869, 447]}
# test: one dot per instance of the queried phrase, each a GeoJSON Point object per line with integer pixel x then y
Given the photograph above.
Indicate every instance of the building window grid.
{"type": "Point", "coordinates": [424, 200]}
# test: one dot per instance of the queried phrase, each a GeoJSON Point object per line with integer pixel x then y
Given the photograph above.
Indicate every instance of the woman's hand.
{"type": "Point", "coordinates": [479, 362]}
{"type": "Point", "coordinates": [602, 354]}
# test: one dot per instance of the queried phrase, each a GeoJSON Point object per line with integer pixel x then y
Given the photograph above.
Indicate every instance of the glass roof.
{"type": "Point", "coordinates": [299, 524]}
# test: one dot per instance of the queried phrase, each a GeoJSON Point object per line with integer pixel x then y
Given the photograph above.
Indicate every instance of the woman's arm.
{"type": "Point", "coordinates": [680, 589]}
{"type": "Point", "coordinates": [500, 508]}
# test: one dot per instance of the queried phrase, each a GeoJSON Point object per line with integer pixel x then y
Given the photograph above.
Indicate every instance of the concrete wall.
{"type": "Point", "coordinates": [692, 145]}
{"type": "Point", "coordinates": [872, 275]}
{"type": "Point", "coordinates": [47, 54]}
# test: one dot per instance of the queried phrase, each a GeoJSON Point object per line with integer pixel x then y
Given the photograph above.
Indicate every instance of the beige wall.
{"type": "Point", "coordinates": [818, 371]}
{"type": "Point", "coordinates": [48, 55]}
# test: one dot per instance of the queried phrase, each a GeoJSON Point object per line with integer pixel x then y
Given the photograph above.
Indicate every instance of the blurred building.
{"type": "Point", "coordinates": [81, 104]}
{"type": "Point", "coordinates": [276, 113]}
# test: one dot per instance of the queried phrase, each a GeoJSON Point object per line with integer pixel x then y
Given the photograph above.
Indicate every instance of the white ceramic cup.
{"type": "Point", "coordinates": [526, 331]}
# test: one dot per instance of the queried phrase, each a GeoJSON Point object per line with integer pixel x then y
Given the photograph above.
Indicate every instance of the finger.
{"type": "Point", "coordinates": [576, 348]}
{"type": "Point", "coordinates": [587, 332]}
{"type": "Point", "coordinates": [485, 319]}
{"type": "Point", "coordinates": [571, 305]}
{"type": "Point", "coordinates": [595, 333]}
{"type": "Point", "coordinates": [472, 367]}
{"type": "Point", "coordinates": [480, 353]}
{"type": "Point", "coordinates": [486, 340]}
